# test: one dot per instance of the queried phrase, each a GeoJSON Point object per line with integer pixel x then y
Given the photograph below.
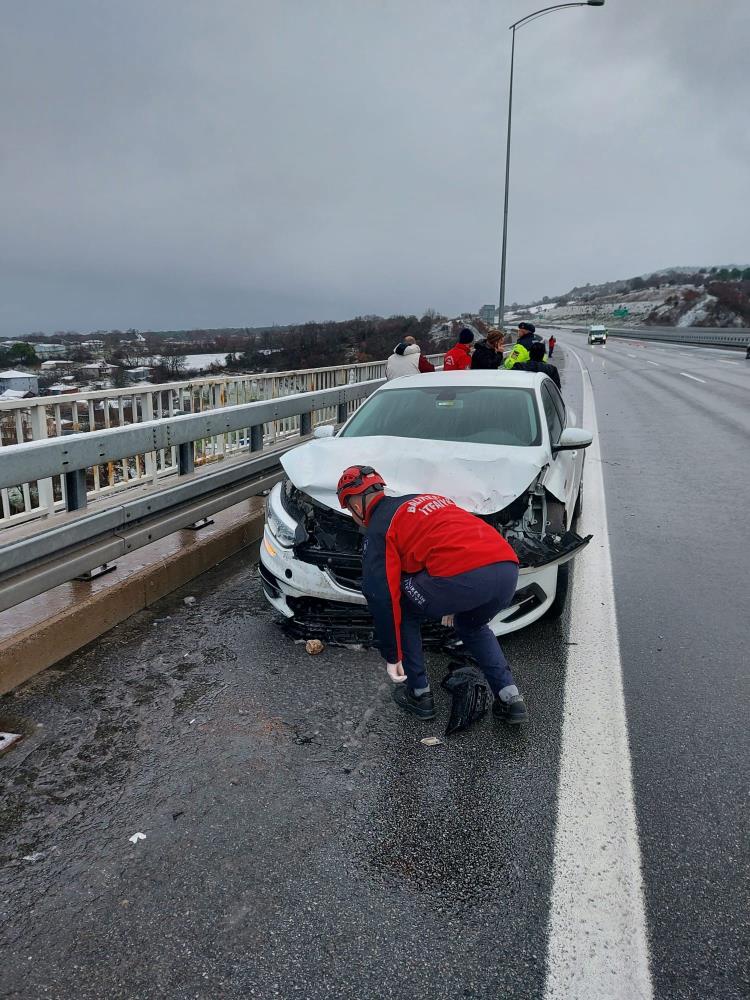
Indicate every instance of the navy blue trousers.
{"type": "Point", "coordinates": [474, 597]}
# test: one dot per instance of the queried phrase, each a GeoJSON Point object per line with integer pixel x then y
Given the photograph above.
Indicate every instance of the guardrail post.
{"type": "Point", "coordinates": [147, 403]}
{"type": "Point", "coordinates": [342, 414]}
{"type": "Point", "coordinates": [39, 433]}
{"type": "Point", "coordinates": [75, 489]}
{"type": "Point", "coordinates": [305, 424]}
{"type": "Point", "coordinates": [256, 437]}
{"type": "Point", "coordinates": [185, 458]}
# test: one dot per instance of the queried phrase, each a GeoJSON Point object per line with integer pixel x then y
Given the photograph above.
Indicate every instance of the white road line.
{"type": "Point", "coordinates": [631, 355]}
{"type": "Point", "coordinates": [722, 362]}
{"type": "Point", "coordinates": [598, 946]}
{"type": "Point", "coordinates": [656, 365]}
{"type": "Point", "coordinates": [693, 377]}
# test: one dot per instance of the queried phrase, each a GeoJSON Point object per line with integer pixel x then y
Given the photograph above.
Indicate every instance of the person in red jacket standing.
{"type": "Point", "coordinates": [458, 358]}
{"type": "Point", "coordinates": [425, 557]}
{"type": "Point", "coordinates": [552, 343]}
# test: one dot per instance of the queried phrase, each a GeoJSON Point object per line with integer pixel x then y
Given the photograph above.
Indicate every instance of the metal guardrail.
{"type": "Point", "coordinates": [81, 542]}
{"type": "Point", "coordinates": [42, 418]}
{"type": "Point", "coordinates": [706, 337]}
{"type": "Point", "coordinates": [71, 456]}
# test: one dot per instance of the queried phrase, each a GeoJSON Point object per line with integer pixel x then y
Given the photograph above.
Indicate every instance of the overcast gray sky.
{"type": "Point", "coordinates": [186, 163]}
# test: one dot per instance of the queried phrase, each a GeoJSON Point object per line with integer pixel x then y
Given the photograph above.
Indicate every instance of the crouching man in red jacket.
{"type": "Point", "coordinates": [425, 557]}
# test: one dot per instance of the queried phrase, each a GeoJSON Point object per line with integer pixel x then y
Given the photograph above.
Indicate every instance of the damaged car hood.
{"type": "Point", "coordinates": [480, 478]}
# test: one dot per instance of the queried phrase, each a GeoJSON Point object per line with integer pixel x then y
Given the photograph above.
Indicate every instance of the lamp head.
{"type": "Point", "coordinates": [595, 3]}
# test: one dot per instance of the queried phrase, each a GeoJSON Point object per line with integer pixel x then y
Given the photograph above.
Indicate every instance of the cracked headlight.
{"type": "Point", "coordinates": [279, 523]}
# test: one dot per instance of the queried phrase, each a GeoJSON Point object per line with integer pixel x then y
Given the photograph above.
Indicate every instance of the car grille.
{"type": "Point", "coordinates": [341, 624]}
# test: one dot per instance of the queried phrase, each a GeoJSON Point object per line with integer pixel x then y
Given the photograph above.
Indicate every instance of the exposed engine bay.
{"type": "Point", "coordinates": [533, 524]}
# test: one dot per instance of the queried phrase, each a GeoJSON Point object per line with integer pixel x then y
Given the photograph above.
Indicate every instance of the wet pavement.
{"type": "Point", "coordinates": [677, 500]}
{"type": "Point", "coordinates": [300, 841]}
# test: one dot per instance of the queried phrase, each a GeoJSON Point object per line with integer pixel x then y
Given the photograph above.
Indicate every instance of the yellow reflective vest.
{"type": "Point", "coordinates": [518, 355]}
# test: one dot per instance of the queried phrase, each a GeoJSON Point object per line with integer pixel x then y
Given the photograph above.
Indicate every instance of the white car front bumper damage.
{"type": "Point", "coordinates": [300, 590]}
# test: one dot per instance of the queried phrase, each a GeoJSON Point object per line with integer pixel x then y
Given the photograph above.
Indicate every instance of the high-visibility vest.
{"type": "Point", "coordinates": [517, 355]}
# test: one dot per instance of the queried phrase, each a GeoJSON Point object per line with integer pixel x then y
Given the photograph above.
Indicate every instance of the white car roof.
{"type": "Point", "coordinates": [509, 379]}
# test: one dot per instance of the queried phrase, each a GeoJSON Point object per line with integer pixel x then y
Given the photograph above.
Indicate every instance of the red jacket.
{"type": "Point", "coordinates": [422, 531]}
{"type": "Point", "coordinates": [457, 359]}
{"type": "Point", "coordinates": [425, 365]}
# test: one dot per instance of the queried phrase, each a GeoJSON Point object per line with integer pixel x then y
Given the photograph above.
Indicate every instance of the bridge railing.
{"type": "Point", "coordinates": [45, 417]}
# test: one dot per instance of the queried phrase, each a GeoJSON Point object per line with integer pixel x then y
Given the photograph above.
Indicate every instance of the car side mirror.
{"type": "Point", "coordinates": [573, 438]}
{"type": "Point", "coordinates": [324, 431]}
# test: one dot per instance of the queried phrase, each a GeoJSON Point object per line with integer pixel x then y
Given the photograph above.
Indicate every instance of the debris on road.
{"type": "Point", "coordinates": [7, 740]}
{"type": "Point", "coordinates": [470, 697]}
{"type": "Point", "coordinates": [431, 741]}
{"type": "Point", "coordinates": [314, 646]}
{"type": "Point", "coordinates": [136, 837]}
{"type": "Point", "coordinates": [189, 600]}
{"type": "Point", "coordinates": [36, 856]}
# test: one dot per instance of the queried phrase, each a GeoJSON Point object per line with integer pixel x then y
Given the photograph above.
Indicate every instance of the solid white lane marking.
{"type": "Point", "coordinates": [722, 362]}
{"type": "Point", "coordinates": [598, 948]}
{"type": "Point", "coordinates": [654, 363]}
{"type": "Point", "coordinates": [693, 377]}
{"type": "Point", "coordinates": [631, 355]}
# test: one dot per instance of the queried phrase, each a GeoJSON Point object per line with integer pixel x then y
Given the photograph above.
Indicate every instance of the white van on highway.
{"type": "Point", "coordinates": [597, 335]}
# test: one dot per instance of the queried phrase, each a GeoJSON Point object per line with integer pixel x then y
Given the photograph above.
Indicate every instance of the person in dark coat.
{"type": "Point", "coordinates": [520, 351]}
{"type": "Point", "coordinates": [488, 354]}
{"type": "Point", "coordinates": [537, 363]}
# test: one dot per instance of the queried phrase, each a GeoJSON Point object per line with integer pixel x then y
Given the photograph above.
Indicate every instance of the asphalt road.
{"type": "Point", "coordinates": [301, 842]}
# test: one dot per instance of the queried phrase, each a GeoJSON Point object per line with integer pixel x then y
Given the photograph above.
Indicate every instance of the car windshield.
{"type": "Point", "coordinates": [473, 414]}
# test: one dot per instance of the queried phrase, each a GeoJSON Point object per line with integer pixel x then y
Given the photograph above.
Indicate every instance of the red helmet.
{"type": "Point", "coordinates": [356, 480]}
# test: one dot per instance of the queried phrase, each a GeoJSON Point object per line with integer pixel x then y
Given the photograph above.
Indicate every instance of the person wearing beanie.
{"type": "Point", "coordinates": [521, 350]}
{"type": "Point", "coordinates": [488, 354]}
{"type": "Point", "coordinates": [403, 361]}
{"type": "Point", "coordinates": [458, 358]}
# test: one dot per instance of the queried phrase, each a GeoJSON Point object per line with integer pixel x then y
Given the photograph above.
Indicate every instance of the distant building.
{"type": "Point", "coordinates": [93, 345]}
{"type": "Point", "coordinates": [97, 369]}
{"type": "Point", "coordinates": [47, 351]}
{"type": "Point", "coordinates": [487, 314]}
{"type": "Point", "coordinates": [139, 374]}
{"type": "Point", "coordinates": [60, 388]}
{"type": "Point", "coordinates": [11, 394]}
{"type": "Point", "coordinates": [23, 381]}
{"type": "Point", "coordinates": [58, 365]}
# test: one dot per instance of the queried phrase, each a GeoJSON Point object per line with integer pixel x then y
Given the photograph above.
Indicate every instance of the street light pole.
{"type": "Point", "coordinates": [519, 24]}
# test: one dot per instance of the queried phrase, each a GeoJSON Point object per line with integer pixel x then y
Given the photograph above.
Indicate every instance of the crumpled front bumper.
{"type": "Point", "coordinates": [317, 606]}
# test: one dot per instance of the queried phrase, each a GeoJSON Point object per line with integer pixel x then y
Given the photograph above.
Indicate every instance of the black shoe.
{"type": "Point", "coordinates": [512, 711]}
{"type": "Point", "coordinates": [423, 706]}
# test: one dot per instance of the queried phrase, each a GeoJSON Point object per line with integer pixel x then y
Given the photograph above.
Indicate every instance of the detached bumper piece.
{"type": "Point", "coordinates": [549, 550]}
{"type": "Point", "coordinates": [470, 697]}
{"type": "Point", "coordinates": [340, 624]}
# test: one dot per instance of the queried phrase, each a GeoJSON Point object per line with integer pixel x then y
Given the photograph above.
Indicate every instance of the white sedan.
{"type": "Point", "coordinates": [501, 444]}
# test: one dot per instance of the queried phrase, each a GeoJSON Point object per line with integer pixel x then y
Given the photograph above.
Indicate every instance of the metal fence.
{"type": "Point", "coordinates": [44, 417]}
{"type": "Point", "coordinates": [703, 336]}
